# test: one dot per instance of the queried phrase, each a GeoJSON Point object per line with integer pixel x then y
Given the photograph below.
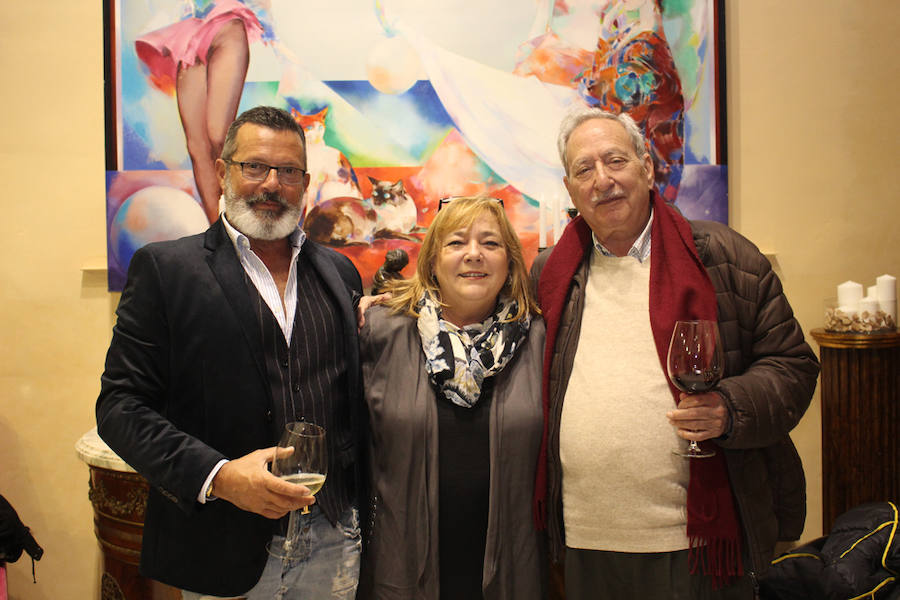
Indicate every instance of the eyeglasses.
{"type": "Point", "coordinates": [257, 171]}
{"type": "Point", "coordinates": [450, 199]}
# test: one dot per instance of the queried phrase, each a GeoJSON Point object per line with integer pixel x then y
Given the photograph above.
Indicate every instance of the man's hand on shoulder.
{"type": "Point", "coordinates": [247, 483]}
{"type": "Point", "coordinates": [364, 303]}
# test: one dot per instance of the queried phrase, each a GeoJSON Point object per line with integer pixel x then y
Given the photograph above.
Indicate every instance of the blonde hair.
{"type": "Point", "coordinates": [458, 214]}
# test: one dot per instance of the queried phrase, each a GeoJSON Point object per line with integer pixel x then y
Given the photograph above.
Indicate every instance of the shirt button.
{"type": "Point", "coordinates": [296, 387]}
{"type": "Point", "coordinates": [269, 416]}
{"type": "Point", "coordinates": [284, 363]}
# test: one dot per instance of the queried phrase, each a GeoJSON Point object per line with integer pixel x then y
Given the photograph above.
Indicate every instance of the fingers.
{"type": "Point", "coordinates": [279, 505]}
{"type": "Point", "coordinates": [699, 416]}
{"type": "Point", "coordinates": [247, 483]}
{"type": "Point", "coordinates": [276, 452]}
{"type": "Point", "coordinates": [364, 303]}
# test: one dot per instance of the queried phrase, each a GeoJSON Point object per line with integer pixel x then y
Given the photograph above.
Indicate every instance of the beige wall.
{"type": "Point", "coordinates": [812, 141]}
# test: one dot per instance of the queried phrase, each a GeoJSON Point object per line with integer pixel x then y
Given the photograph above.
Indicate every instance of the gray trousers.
{"type": "Point", "coordinates": [596, 575]}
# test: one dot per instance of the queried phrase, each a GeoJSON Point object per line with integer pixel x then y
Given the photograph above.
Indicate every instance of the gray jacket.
{"type": "Point", "coordinates": [401, 557]}
{"type": "Point", "coordinates": [770, 377]}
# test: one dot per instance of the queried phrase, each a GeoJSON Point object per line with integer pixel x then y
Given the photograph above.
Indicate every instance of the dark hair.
{"type": "Point", "coordinates": [265, 116]}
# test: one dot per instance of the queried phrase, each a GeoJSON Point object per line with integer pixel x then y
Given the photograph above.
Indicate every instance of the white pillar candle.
{"type": "Point", "coordinates": [849, 295]}
{"type": "Point", "coordinates": [887, 295]}
{"type": "Point", "coordinates": [872, 292]}
{"type": "Point", "coordinates": [869, 305]}
{"type": "Point", "coordinates": [887, 287]}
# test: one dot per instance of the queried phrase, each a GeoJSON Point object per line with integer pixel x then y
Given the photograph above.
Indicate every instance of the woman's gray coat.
{"type": "Point", "coordinates": [401, 557]}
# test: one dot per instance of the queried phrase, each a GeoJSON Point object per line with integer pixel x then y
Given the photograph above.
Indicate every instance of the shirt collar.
{"type": "Point", "coordinates": [640, 250]}
{"type": "Point", "coordinates": [241, 241]}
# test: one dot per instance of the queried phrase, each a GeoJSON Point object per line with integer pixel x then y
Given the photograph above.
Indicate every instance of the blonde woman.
{"type": "Point", "coordinates": [451, 367]}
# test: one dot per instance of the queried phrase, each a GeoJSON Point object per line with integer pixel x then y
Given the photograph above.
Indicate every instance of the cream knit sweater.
{"type": "Point", "coordinates": [623, 489]}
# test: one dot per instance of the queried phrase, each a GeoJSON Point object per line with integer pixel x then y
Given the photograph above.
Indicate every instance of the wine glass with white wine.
{"type": "Point", "coordinates": [307, 465]}
{"type": "Point", "coordinates": [695, 364]}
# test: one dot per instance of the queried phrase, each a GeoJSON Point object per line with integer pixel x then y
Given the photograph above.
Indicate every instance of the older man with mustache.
{"type": "Point", "coordinates": [632, 519]}
{"type": "Point", "coordinates": [222, 338]}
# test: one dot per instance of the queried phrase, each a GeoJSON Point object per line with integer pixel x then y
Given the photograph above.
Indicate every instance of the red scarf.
{"type": "Point", "coordinates": [680, 289]}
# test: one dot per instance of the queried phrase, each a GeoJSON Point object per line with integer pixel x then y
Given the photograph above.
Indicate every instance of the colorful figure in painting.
{"type": "Point", "coordinates": [331, 174]}
{"type": "Point", "coordinates": [630, 70]}
{"type": "Point", "coordinates": [633, 72]}
{"type": "Point", "coordinates": [203, 60]}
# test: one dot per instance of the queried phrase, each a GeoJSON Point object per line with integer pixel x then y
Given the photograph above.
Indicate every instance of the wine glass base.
{"type": "Point", "coordinates": [699, 453]}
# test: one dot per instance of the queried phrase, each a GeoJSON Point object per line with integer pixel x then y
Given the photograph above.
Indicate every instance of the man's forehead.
{"type": "Point", "coordinates": [252, 137]}
{"type": "Point", "coordinates": [599, 136]}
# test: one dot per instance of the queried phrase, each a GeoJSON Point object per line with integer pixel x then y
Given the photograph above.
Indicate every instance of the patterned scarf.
{"type": "Point", "coordinates": [680, 288]}
{"type": "Point", "coordinates": [458, 360]}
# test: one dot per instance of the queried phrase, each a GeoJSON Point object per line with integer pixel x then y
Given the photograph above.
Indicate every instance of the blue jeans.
{"type": "Point", "coordinates": [327, 565]}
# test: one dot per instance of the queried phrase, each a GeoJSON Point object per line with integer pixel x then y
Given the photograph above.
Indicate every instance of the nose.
{"type": "Point", "coordinates": [473, 250]}
{"type": "Point", "coordinates": [602, 178]}
{"type": "Point", "coordinates": [271, 182]}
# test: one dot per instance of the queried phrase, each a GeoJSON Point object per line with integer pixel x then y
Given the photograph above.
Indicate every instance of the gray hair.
{"type": "Point", "coordinates": [265, 116]}
{"type": "Point", "coordinates": [580, 114]}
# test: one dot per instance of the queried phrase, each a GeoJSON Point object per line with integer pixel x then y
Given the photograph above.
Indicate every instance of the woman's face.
{"type": "Point", "coordinates": [471, 267]}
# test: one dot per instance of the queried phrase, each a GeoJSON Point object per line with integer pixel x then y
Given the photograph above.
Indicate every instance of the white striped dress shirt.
{"type": "Point", "coordinates": [263, 280]}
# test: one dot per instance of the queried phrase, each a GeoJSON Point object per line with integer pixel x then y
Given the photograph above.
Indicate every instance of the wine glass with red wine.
{"type": "Point", "coordinates": [695, 365]}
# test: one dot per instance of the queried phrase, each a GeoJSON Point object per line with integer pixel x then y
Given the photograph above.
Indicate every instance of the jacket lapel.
{"type": "Point", "coordinates": [226, 268]}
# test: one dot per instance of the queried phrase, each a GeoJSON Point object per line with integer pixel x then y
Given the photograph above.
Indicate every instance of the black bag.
{"type": "Point", "coordinates": [15, 537]}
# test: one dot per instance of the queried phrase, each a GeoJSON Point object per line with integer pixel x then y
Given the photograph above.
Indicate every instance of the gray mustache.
{"type": "Point", "coordinates": [266, 197]}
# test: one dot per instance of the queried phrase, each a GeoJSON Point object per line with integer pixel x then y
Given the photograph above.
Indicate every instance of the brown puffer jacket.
{"type": "Point", "coordinates": [769, 380]}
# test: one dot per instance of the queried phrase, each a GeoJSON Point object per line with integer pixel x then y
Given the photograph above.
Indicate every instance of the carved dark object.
{"type": "Point", "coordinates": [394, 262]}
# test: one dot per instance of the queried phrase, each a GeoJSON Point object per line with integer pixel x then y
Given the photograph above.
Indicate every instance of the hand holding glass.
{"type": "Point", "coordinates": [695, 365]}
{"type": "Point", "coordinates": [307, 465]}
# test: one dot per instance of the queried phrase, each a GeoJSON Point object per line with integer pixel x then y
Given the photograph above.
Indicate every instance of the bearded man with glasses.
{"type": "Point", "coordinates": [222, 338]}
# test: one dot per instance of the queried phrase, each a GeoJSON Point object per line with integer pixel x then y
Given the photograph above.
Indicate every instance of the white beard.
{"type": "Point", "coordinates": [260, 226]}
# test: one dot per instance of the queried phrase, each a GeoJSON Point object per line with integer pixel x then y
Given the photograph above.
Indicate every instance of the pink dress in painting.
{"type": "Point", "coordinates": [187, 41]}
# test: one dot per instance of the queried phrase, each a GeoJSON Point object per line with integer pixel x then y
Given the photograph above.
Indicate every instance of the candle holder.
{"type": "Point", "coordinates": [865, 319]}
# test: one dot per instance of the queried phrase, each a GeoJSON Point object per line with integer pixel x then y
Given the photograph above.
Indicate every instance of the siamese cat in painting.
{"type": "Point", "coordinates": [394, 207]}
{"type": "Point", "coordinates": [390, 212]}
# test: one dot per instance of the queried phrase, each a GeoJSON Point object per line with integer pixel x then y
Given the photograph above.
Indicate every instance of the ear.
{"type": "Point", "coordinates": [568, 189]}
{"type": "Point", "coordinates": [397, 188]}
{"type": "Point", "coordinates": [220, 172]}
{"type": "Point", "coordinates": [372, 179]}
{"type": "Point", "coordinates": [649, 172]}
{"type": "Point", "coordinates": [304, 198]}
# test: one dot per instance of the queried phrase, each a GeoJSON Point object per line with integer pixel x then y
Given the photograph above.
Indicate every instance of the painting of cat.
{"type": "Point", "coordinates": [389, 212]}
{"type": "Point", "coordinates": [395, 209]}
{"type": "Point", "coordinates": [330, 173]}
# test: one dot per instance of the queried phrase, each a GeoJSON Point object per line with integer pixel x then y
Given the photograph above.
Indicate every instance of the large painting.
{"type": "Point", "coordinates": [403, 102]}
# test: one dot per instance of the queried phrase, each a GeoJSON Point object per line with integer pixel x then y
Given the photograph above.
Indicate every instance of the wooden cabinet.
{"type": "Point", "coordinates": [860, 391]}
{"type": "Point", "coordinates": [119, 498]}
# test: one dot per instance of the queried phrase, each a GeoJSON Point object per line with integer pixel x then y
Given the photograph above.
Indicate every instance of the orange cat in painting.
{"type": "Point", "coordinates": [330, 173]}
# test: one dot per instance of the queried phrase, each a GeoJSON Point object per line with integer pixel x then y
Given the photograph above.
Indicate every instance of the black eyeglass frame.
{"type": "Point", "coordinates": [278, 171]}
{"type": "Point", "coordinates": [449, 199]}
